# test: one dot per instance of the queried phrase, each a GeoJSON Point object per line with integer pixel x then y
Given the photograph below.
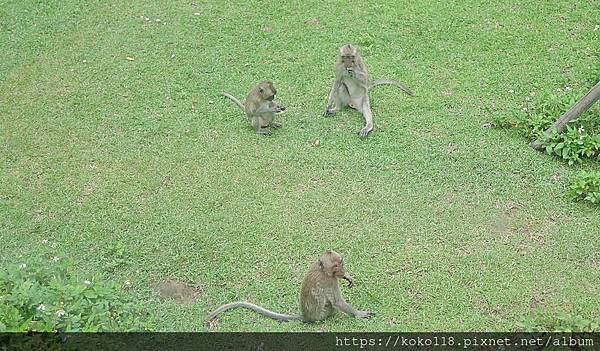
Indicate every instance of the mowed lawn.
{"type": "Point", "coordinates": [117, 148]}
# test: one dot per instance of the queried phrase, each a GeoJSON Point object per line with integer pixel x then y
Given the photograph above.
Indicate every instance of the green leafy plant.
{"type": "Point", "coordinates": [572, 145]}
{"type": "Point", "coordinates": [587, 187]}
{"type": "Point", "coordinates": [581, 138]}
{"type": "Point", "coordinates": [49, 297]}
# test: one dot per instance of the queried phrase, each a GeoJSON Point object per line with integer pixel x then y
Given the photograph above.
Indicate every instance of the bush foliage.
{"type": "Point", "coordinates": [44, 297]}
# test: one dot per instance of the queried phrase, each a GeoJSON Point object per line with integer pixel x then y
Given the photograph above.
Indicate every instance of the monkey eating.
{"type": "Point", "coordinates": [351, 87]}
{"type": "Point", "coordinates": [260, 107]}
{"type": "Point", "coordinates": [320, 294]}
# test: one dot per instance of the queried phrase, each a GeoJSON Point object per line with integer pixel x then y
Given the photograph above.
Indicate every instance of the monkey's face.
{"type": "Point", "coordinates": [332, 264]}
{"type": "Point", "coordinates": [348, 57]}
{"type": "Point", "coordinates": [267, 91]}
{"type": "Point", "coordinates": [348, 62]}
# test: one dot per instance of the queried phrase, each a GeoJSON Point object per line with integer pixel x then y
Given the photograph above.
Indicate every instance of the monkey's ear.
{"type": "Point", "coordinates": [321, 264]}
{"type": "Point", "coordinates": [261, 90]}
{"type": "Point", "coordinates": [328, 251]}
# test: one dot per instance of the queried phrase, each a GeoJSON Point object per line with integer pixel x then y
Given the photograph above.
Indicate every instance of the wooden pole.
{"type": "Point", "coordinates": [580, 107]}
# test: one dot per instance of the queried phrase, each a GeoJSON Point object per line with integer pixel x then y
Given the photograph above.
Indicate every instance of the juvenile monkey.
{"type": "Point", "coordinates": [260, 107]}
{"type": "Point", "coordinates": [319, 296]}
{"type": "Point", "coordinates": [351, 86]}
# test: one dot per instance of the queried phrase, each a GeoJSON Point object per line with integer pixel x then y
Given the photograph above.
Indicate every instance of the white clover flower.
{"type": "Point", "coordinates": [41, 307]}
{"type": "Point", "coordinates": [60, 313]}
{"type": "Point", "coordinates": [127, 283]}
{"type": "Point", "coordinates": [87, 282]}
{"type": "Point", "coordinates": [55, 259]}
{"type": "Point", "coordinates": [580, 130]}
{"type": "Point", "coordinates": [568, 88]}
{"type": "Point", "coordinates": [45, 241]}
{"type": "Point", "coordinates": [22, 266]}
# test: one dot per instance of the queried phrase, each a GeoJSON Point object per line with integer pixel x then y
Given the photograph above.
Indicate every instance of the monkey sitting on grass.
{"type": "Point", "coordinates": [260, 107]}
{"type": "Point", "coordinates": [320, 294]}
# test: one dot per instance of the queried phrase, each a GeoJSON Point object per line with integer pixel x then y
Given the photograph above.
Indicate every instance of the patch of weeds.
{"type": "Point", "coordinates": [587, 187]}
{"type": "Point", "coordinates": [44, 297]}
{"type": "Point", "coordinates": [580, 139]}
{"type": "Point", "coordinates": [594, 76]}
{"type": "Point", "coordinates": [572, 145]}
{"type": "Point", "coordinates": [563, 323]}
{"type": "Point", "coordinates": [116, 256]}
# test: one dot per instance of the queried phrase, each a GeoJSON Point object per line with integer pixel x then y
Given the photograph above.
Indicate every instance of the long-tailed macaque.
{"type": "Point", "coordinates": [319, 296]}
{"type": "Point", "coordinates": [260, 107]}
{"type": "Point", "coordinates": [351, 87]}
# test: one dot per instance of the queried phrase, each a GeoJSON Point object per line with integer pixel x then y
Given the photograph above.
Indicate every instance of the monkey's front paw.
{"type": "Point", "coordinates": [275, 125]}
{"type": "Point", "coordinates": [280, 109]}
{"type": "Point", "coordinates": [264, 131]}
{"type": "Point", "coordinates": [329, 112]}
{"type": "Point", "coordinates": [365, 314]}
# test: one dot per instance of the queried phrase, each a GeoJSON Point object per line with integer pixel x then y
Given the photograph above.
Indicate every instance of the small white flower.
{"type": "Point", "coordinates": [45, 241]}
{"type": "Point", "coordinates": [580, 130]}
{"type": "Point", "coordinates": [527, 98]}
{"type": "Point", "coordinates": [524, 109]}
{"type": "Point", "coordinates": [197, 14]}
{"type": "Point", "coordinates": [41, 307]}
{"type": "Point", "coordinates": [55, 259]}
{"type": "Point", "coordinates": [22, 266]}
{"type": "Point", "coordinates": [127, 283]}
{"type": "Point", "coordinates": [60, 313]}
{"type": "Point", "coordinates": [157, 20]}
{"type": "Point", "coordinates": [173, 56]}
{"type": "Point", "coordinates": [511, 91]}
{"type": "Point", "coordinates": [87, 282]}
{"type": "Point", "coordinates": [568, 88]}
{"type": "Point", "coordinates": [558, 89]}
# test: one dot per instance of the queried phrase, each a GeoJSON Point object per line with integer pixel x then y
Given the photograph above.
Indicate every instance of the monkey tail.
{"type": "Point", "coordinates": [234, 99]}
{"type": "Point", "coordinates": [391, 82]}
{"type": "Point", "coordinates": [265, 312]}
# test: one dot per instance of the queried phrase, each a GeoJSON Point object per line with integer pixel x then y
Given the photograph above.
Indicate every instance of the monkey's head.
{"type": "Point", "coordinates": [267, 91]}
{"type": "Point", "coordinates": [332, 265]}
{"type": "Point", "coordinates": [348, 57]}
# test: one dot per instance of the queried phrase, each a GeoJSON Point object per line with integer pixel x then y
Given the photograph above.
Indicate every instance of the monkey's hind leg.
{"type": "Point", "coordinates": [257, 124]}
{"type": "Point", "coordinates": [341, 99]}
{"type": "Point", "coordinates": [365, 109]}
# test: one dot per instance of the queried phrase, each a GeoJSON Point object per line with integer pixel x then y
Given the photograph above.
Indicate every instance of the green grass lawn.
{"type": "Point", "coordinates": [139, 170]}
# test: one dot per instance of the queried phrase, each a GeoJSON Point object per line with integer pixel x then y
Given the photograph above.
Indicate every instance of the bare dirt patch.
{"type": "Point", "coordinates": [179, 292]}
